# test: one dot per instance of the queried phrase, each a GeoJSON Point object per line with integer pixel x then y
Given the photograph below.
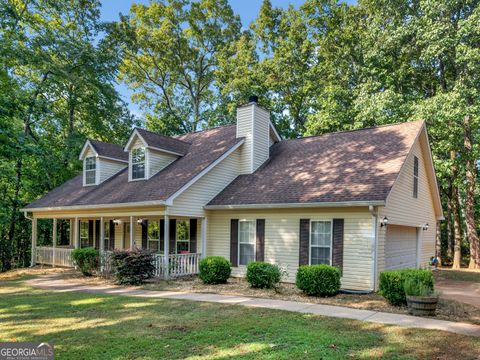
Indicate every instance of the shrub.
{"type": "Point", "coordinates": [132, 267]}
{"type": "Point", "coordinates": [392, 283]}
{"type": "Point", "coordinates": [87, 260]}
{"type": "Point", "coordinates": [318, 280]}
{"type": "Point", "coordinates": [263, 275]}
{"type": "Point", "coordinates": [413, 287]}
{"type": "Point", "coordinates": [214, 270]}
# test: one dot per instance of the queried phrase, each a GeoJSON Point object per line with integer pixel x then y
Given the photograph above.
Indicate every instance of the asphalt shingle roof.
{"type": "Point", "coordinates": [109, 150]}
{"type": "Point", "coordinates": [359, 165]}
{"type": "Point", "coordinates": [206, 147]}
{"type": "Point", "coordinates": [175, 145]}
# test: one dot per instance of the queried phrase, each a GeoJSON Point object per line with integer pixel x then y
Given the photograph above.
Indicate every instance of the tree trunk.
{"type": "Point", "coordinates": [438, 244]}
{"type": "Point", "coordinates": [449, 222]}
{"type": "Point", "coordinates": [457, 249]}
{"type": "Point", "coordinates": [470, 175]}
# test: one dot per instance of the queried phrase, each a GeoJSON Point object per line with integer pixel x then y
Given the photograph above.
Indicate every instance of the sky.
{"type": "Point", "coordinates": [247, 9]}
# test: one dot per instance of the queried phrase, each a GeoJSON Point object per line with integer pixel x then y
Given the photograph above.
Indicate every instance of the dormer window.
{"type": "Point", "coordinates": [138, 163]}
{"type": "Point", "coordinates": [90, 170]}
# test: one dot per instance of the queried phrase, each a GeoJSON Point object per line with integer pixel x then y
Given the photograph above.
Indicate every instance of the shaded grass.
{"type": "Point", "coordinates": [458, 275]}
{"type": "Point", "coordinates": [96, 326]}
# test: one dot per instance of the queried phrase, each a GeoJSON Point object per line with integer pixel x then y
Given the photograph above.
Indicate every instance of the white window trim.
{"type": "Point", "coordinates": [130, 164]}
{"type": "Point", "coordinates": [152, 239]}
{"type": "Point", "coordinates": [182, 240]}
{"type": "Point", "coordinates": [80, 232]}
{"type": "Point", "coordinates": [97, 170]}
{"type": "Point", "coordinates": [254, 239]}
{"type": "Point", "coordinates": [106, 239]}
{"type": "Point", "coordinates": [310, 239]}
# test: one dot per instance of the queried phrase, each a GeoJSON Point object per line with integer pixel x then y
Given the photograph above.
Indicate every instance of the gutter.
{"type": "Point", "coordinates": [99, 206]}
{"type": "Point", "coordinates": [295, 205]}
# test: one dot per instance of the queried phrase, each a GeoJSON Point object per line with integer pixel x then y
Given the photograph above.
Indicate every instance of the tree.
{"type": "Point", "coordinates": [171, 52]}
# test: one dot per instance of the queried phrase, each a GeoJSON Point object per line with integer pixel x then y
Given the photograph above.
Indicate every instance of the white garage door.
{"type": "Point", "coordinates": [401, 247]}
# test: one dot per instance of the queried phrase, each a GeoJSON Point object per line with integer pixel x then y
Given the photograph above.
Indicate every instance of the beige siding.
{"type": "Point", "coordinates": [158, 160]}
{"type": "Point", "coordinates": [282, 239]}
{"type": "Point", "coordinates": [90, 152]}
{"type": "Point", "coordinates": [191, 202]}
{"type": "Point", "coordinates": [244, 129]}
{"type": "Point", "coordinates": [108, 168]}
{"type": "Point", "coordinates": [261, 136]}
{"type": "Point", "coordinates": [403, 209]}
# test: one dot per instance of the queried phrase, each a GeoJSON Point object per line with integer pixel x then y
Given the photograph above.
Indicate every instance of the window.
{"type": "Point", "coordinates": [84, 234]}
{"type": "Point", "coordinates": [138, 163]}
{"type": "Point", "coordinates": [126, 235]}
{"type": "Point", "coordinates": [183, 236]}
{"type": "Point", "coordinates": [320, 242]}
{"type": "Point", "coordinates": [153, 235]}
{"type": "Point", "coordinates": [246, 241]}
{"type": "Point", "coordinates": [90, 170]}
{"type": "Point", "coordinates": [415, 177]}
{"type": "Point", "coordinates": [106, 236]}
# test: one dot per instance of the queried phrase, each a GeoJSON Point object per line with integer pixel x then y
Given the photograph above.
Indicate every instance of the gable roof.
{"type": "Point", "coordinates": [106, 150]}
{"type": "Point", "coordinates": [160, 142]}
{"type": "Point", "coordinates": [211, 144]}
{"type": "Point", "coordinates": [357, 166]}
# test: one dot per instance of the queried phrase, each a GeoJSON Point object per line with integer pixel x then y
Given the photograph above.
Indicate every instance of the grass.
{"type": "Point", "coordinates": [458, 275]}
{"type": "Point", "coordinates": [94, 326]}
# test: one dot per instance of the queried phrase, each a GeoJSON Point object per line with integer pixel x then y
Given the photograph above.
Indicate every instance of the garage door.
{"type": "Point", "coordinates": [401, 247]}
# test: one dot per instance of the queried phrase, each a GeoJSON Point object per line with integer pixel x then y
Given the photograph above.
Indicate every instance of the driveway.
{"type": "Point", "coordinates": [463, 291]}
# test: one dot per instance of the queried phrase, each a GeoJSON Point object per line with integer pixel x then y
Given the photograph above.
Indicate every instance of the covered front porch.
{"type": "Point", "coordinates": [177, 242]}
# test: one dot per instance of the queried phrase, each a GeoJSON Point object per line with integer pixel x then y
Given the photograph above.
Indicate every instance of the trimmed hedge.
{"type": "Point", "coordinates": [214, 270]}
{"type": "Point", "coordinates": [87, 260]}
{"type": "Point", "coordinates": [318, 280]}
{"type": "Point", "coordinates": [392, 283]}
{"type": "Point", "coordinates": [132, 267]}
{"type": "Point", "coordinates": [263, 275]}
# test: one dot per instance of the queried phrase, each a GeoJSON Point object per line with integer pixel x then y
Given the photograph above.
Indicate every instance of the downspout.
{"type": "Point", "coordinates": [373, 210]}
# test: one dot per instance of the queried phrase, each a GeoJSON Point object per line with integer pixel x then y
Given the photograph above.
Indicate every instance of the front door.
{"type": "Point", "coordinates": [126, 235]}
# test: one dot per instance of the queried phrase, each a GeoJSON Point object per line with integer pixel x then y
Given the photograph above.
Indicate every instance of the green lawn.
{"type": "Point", "coordinates": [458, 275]}
{"type": "Point", "coordinates": [92, 326]}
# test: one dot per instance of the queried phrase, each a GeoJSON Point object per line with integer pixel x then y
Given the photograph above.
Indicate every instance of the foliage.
{"type": "Point", "coordinates": [132, 267]}
{"type": "Point", "coordinates": [392, 283]}
{"type": "Point", "coordinates": [318, 280]}
{"type": "Point", "coordinates": [87, 260]}
{"type": "Point", "coordinates": [263, 275]}
{"type": "Point", "coordinates": [413, 287]}
{"type": "Point", "coordinates": [214, 270]}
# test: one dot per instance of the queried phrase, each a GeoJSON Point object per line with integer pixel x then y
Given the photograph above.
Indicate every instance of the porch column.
{"type": "Point", "coordinates": [204, 237]}
{"type": "Point", "coordinates": [166, 242]}
{"type": "Point", "coordinates": [76, 241]}
{"type": "Point", "coordinates": [132, 233]}
{"type": "Point", "coordinates": [102, 235]}
{"type": "Point", "coordinates": [70, 232]}
{"type": "Point", "coordinates": [54, 241]}
{"type": "Point", "coordinates": [34, 242]}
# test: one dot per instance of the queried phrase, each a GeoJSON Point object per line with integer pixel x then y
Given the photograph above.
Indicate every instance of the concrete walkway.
{"type": "Point", "coordinates": [52, 282]}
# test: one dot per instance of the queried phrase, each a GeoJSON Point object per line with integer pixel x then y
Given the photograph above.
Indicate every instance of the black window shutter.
{"type": "Point", "coordinates": [234, 242]}
{"type": "Point", "coordinates": [193, 235]}
{"type": "Point", "coordinates": [162, 235]}
{"type": "Point", "coordinates": [144, 233]}
{"type": "Point", "coordinates": [337, 250]}
{"type": "Point", "coordinates": [260, 240]}
{"type": "Point", "coordinates": [111, 242]}
{"type": "Point", "coordinates": [172, 233]}
{"type": "Point", "coordinates": [304, 245]}
{"type": "Point", "coordinates": [97, 234]}
{"type": "Point", "coordinates": [90, 233]}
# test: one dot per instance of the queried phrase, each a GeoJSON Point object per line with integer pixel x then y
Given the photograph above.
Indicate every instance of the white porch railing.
{"type": "Point", "coordinates": [54, 256]}
{"type": "Point", "coordinates": [178, 264]}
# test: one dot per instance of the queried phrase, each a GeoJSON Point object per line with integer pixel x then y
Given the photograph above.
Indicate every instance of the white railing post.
{"type": "Point", "coordinates": [204, 237]}
{"type": "Point", "coordinates": [54, 241]}
{"type": "Point", "coordinates": [34, 242]}
{"type": "Point", "coordinates": [166, 242]}
{"type": "Point", "coordinates": [76, 234]}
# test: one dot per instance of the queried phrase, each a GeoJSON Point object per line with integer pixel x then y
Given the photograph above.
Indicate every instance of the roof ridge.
{"type": "Point", "coordinates": [164, 136]}
{"type": "Point", "coordinates": [204, 130]}
{"type": "Point", "coordinates": [355, 130]}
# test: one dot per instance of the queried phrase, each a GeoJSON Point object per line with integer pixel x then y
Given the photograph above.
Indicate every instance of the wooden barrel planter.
{"type": "Point", "coordinates": [422, 306]}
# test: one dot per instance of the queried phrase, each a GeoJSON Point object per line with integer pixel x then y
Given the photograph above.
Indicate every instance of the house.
{"type": "Point", "coordinates": [363, 200]}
